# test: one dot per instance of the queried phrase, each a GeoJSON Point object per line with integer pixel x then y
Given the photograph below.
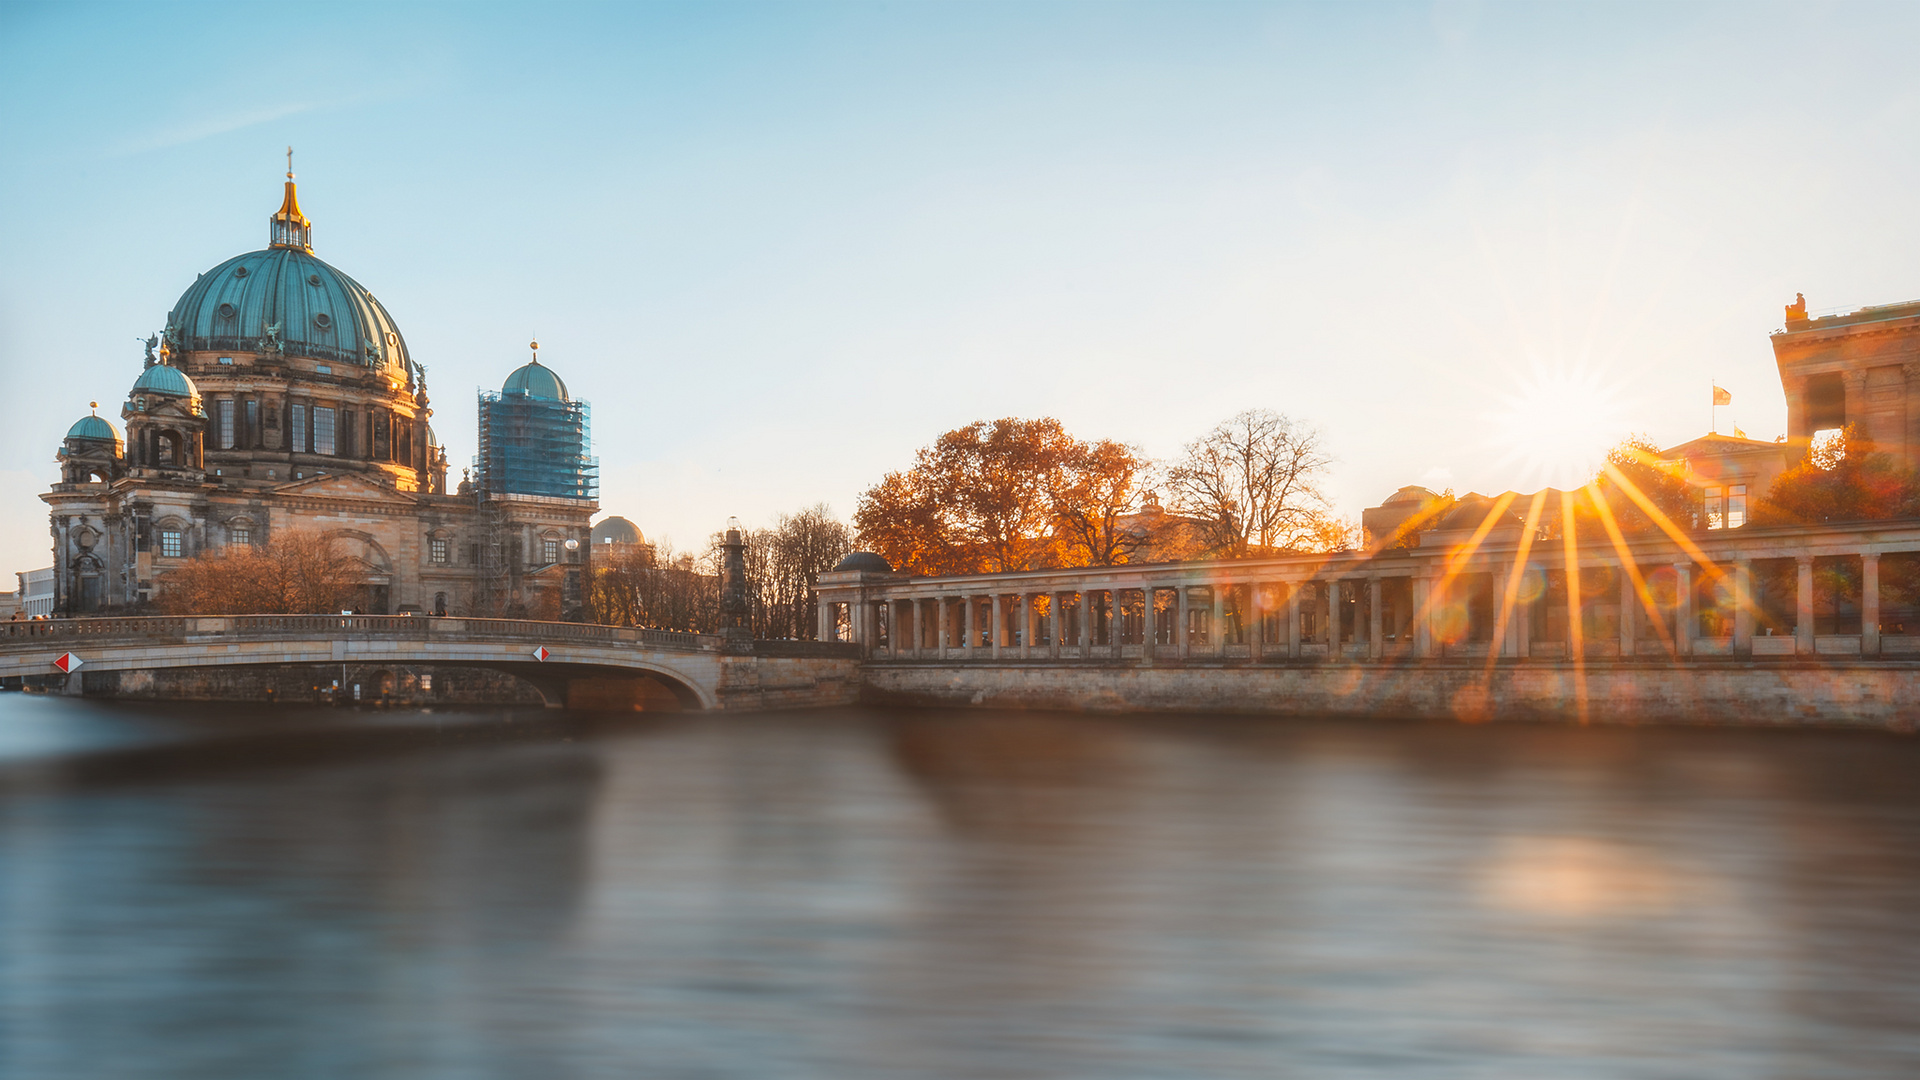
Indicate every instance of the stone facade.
{"type": "Point", "coordinates": [280, 397]}
{"type": "Point", "coordinates": [1862, 368]}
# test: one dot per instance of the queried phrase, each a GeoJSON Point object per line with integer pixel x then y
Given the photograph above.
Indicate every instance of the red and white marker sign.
{"type": "Point", "coordinates": [539, 654]}
{"type": "Point", "coordinates": [68, 662]}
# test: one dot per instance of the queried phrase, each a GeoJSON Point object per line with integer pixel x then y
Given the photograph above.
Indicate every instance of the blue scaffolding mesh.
{"type": "Point", "coordinates": [535, 446]}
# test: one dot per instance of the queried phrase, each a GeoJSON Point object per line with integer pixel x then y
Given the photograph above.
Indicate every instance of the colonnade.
{"type": "Point", "coordinates": [1396, 605]}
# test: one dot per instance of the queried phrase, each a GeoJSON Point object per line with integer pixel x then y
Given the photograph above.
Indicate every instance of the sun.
{"type": "Point", "coordinates": [1553, 424]}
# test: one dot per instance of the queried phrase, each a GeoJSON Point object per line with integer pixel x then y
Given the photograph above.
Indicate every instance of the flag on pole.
{"type": "Point", "coordinates": [1721, 397]}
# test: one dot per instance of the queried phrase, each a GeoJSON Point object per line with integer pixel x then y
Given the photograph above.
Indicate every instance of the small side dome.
{"type": "Point", "coordinates": [538, 381]}
{"type": "Point", "coordinates": [616, 530]}
{"type": "Point", "coordinates": [96, 428]}
{"type": "Point", "coordinates": [164, 379]}
{"type": "Point", "coordinates": [1412, 493]}
{"type": "Point", "coordinates": [433, 439]}
{"type": "Point", "coordinates": [866, 562]}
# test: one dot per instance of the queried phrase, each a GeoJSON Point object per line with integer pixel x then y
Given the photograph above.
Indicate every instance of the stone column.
{"type": "Point", "coordinates": [1856, 384]}
{"type": "Point", "coordinates": [1743, 607]}
{"type": "Point", "coordinates": [823, 612]}
{"type": "Point", "coordinates": [1803, 617]}
{"type": "Point", "coordinates": [1522, 621]}
{"type": "Point", "coordinates": [1179, 621]}
{"type": "Point", "coordinates": [1086, 624]}
{"type": "Point", "coordinates": [1336, 617]}
{"type": "Point", "coordinates": [1113, 619]}
{"type": "Point", "coordinates": [1629, 602]}
{"type": "Point", "coordinates": [969, 615]}
{"type": "Point", "coordinates": [913, 632]}
{"type": "Point", "coordinates": [1683, 609]}
{"type": "Point", "coordinates": [1910, 438]}
{"type": "Point", "coordinates": [1576, 630]}
{"type": "Point", "coordinates": [1422, 618]}
{"type": "Point", "coordinates": [1870, 604]}
{"type": "Point", "coordinates": [1255, 620]}
{"type": "Point", "coordinates": [1217, 632]}
{"type": "Point", "coordinates": [1375, 623]}
{"type": "Point", "coordinates": [1293, 618]}
{"type": "Point", "coordinates": [997, 627]}
{"type": "Point", "coordinates": [1148, 631]}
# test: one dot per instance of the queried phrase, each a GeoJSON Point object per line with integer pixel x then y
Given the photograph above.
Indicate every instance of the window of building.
{"type": "Point", "coordinates": [550, 551]}
{"type": "Point", "coordinates": [382, 437]}
{"type": "Point", "coordinates": [226, 359]}
{"type": "Point", "coordinates": [322, 369]}
{"type": "Point", "coordinates": [322, 430]}
{"type": "Point", "coordinates": [170, 543]}
{"type": "Point", "coordinates": [1736, 506]}
{"type": "Point", "coordinates": [224, 410]}
{"type": "Point", "coordinates": [251, 436]}
{"type": "Point", "coordinates": [299, 428]}
{"type": "Point", "coordinates": [240, 535]}
{"type": "Point", "coordinates": [1716, 509]}
{"type": "Point", "coordinates": [440, 549]}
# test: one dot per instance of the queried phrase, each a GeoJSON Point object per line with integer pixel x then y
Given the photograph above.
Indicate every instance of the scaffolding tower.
{"type": "Point", "coordinates": [535, 446]}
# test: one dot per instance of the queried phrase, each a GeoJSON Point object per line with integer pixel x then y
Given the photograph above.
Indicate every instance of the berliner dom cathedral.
{"type": "Point", "coordinates": [281, 396]}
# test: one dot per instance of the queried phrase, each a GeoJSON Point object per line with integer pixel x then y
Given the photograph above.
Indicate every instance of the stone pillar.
{"type": "Point", "coordinates": [969, 615]}
{"type": "Point", "coordinates": [1293, 619]}
{"type": "Point", "coordinates": [1743, 607]}
{"type": "Point", "coordinates": [1911, 436]}
{"type": "Point", "coordinates": [912, 640]}
{"type": "Point", "coordinates": [1086, 623]}
{"type": "Point", "coordinates": [1336, 617]}
{"type": "Point", "coordinates": [997, 628]}
{"type": "Point", "coordinates": [1217, 632]}
{"type": "Point", "coordinates": [1113, 619]}
{"type": "Point", "coordinates": [1148, 631]}
{"type": "Point", "coordinates": [1180, 635]}
{"type": "Point", "coordinates": [1629, 603]}
{"type": "Point", "coordinates": [1803, 616]}
{"type": "Point", "coordinates": [1375, 623]}
{"type": "Point", "coordinates": [1683, 617]}
{"type": "Point", "coordinates": [1522, 620]}
{"type": "Point", "coordinates": [1856, 384]}
{"type": "Point", "coordinates": [1256, 621]}
{"type": "Point", "coordinates": [1422, 617]}
{"type": "Point", "coordinates": [824, 619]}
{"type": "Point", "coordinates": [1870, 604]}
{"type": "Point", "coordinates": [1576, 630]}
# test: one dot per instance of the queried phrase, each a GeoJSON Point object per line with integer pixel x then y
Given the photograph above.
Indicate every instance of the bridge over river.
{"type": "Point", "coordinates": [242, 657]}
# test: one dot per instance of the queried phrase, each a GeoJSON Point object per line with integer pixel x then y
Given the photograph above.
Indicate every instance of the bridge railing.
{"type": "Point", "coordinates": [186, 627]}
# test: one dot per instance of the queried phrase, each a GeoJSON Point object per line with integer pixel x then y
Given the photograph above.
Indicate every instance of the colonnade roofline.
{"type": "Point", "coordinates": [1746, 542]}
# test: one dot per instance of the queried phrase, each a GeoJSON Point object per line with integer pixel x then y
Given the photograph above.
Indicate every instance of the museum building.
{"type": "Point", "coordinates": [281, 397]}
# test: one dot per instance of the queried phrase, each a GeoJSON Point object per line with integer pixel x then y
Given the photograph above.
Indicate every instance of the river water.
{"type": "Point", "coordinates": [215, 892]}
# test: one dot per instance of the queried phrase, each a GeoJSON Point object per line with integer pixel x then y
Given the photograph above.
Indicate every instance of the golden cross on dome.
{"type": "Point", "coordinates": [289, 162]}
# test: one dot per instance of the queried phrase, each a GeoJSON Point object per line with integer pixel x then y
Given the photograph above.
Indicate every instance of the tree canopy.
{"type": "Point", "coordinates": [295, 573]}
{"type": "Point", "coordinates": [1843, 479]}
{"type": "Point", "coordinates": [1007, 494]}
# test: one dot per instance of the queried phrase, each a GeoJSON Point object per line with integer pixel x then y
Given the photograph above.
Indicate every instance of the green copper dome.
{"type": "Point", "coordinates": [283, 300]}
{"type": "Point", "coordinates": [94, 427]}
{"type": "Point", "coordinates": [162, 379]}
{"type": "Point", "coordinates": [536, 380]}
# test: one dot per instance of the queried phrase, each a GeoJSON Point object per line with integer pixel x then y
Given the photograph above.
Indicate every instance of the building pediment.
{"type": "Point", "coordinates": [345, 486]}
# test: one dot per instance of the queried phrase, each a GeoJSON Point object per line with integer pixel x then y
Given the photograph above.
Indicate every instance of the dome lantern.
{"type": "Point", "coordinates": [289, 228]}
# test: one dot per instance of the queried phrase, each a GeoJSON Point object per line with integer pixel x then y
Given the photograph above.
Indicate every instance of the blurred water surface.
{"type": "Point", "coordinates": [859, 893]}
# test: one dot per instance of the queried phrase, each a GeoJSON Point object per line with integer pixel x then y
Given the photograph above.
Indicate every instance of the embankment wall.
{"type": "Point", "coordinates": [1879, 694]}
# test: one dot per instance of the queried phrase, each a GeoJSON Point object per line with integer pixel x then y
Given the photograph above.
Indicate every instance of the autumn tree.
{"type": "Point", "coordinates": [1253, 485]}
{"type": "Point", "coordinates": [296, 572]}
{"type": "Point", "coordinates": [979, 499]}
{"type": "Point", "coordinates": [1095, 488]}
{"type": "Point", "coordinates": [1639, 490]}
{"type": "Point", "coordinates": [1842, 479]}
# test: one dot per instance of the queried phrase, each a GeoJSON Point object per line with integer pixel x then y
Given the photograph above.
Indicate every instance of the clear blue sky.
{"type": "Point", "coordinates": [779, 247]}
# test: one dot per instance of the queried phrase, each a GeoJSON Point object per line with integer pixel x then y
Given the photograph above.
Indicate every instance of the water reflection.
{"type": "Point", "coordinates": [967, 894]}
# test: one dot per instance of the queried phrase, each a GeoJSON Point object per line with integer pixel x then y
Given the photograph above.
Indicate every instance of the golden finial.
{"type": "Point", "coordinates": [289, 162]}
{"type": "Point", "coordinates": [535, 346]}
{"type": "Point", "coordinates": [95, 406]}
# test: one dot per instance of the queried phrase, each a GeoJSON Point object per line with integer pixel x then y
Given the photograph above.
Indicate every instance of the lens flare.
{"type": "Point", "coordinates": [1554, 424]}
